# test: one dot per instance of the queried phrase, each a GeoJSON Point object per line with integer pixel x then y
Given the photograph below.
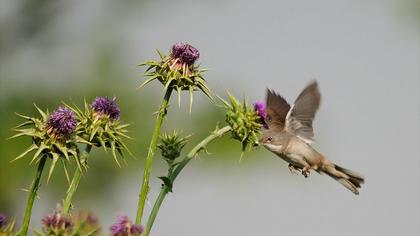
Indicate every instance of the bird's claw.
{"type": "Point", "coordinates": [292, 169]}
{"type": "Point", "coordinates": [306, 172]}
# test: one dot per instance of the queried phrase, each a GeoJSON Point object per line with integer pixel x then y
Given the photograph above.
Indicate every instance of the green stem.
{"type": "Point", "coordinates": [152, 148]}
{"type": "Point", "coordinates": [164, 191]}
{"type": "Point", "coordinates": [75, 181]}
{"type": "Point", "coordinates": [32, 195]}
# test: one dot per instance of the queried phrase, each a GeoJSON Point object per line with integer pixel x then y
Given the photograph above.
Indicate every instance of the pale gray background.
{"type": "Point", "coordinates": [366, 57]}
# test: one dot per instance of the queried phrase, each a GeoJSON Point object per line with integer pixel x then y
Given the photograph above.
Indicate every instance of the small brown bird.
{"type": "Point", "coordinates": [290, 134]}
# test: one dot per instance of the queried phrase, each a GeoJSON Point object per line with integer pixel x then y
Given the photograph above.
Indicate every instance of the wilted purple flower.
{"type": "Point", "coordinates": [2, 219]}
{"type": "Point", "coordinates": [56, 221]}
{"type": "Point", "coordinates": [106, 106]}
{"type": "Point", "coordinates": [124, 227]}
{"type": "Point", "coordinates": [259, 106]}
{"type": "Point", "coordinates": [185, 53]}
{"type": "Point", "coordinates": [61, 123]}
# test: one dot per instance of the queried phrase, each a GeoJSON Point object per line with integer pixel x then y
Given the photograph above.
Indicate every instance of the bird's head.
{"type": "Point", "coordinates": [274, 140]}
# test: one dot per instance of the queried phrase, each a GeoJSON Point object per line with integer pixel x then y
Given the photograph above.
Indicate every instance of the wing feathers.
{"type": "Point", "coordinates": [277, 109]}
{"type": "Point", "coordinates": [299, 120]}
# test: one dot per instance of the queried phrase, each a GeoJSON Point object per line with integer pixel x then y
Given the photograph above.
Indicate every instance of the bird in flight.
{"type": "Point", "coordinates": [290, 135]}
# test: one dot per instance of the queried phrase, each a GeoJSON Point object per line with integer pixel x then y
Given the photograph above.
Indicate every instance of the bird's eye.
{"type": "Point", "coordinates": [269, 139]}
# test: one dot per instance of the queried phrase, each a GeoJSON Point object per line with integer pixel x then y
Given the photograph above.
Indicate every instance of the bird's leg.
{"type": "Point", "coordinates": [305, 171]}
{"type": "Point", "coordinates": [292, 168]}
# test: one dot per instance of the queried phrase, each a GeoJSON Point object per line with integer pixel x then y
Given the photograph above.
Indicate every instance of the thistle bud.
{"type": "Point", "coordinates": [56, 224]}
{"type": "Point", "coordinates": [171, 146]}
{"type": "Point", "coordinates": [177, 71]}
{"type": "Point", "coordinates": [185, 53]}
{"type": "Point", "coordinates": [244, 121]}
{"type": "Point", "coordinates": [61, 123]}
{"type": "Point", "coordinates": [124, 227]}
{"type": "Point", "coordinates": [104, 106]}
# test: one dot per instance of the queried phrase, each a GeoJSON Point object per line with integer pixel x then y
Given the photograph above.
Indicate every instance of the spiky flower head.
{"type": "Point", "coordinates": [53, 136]}
{"type": "Point", "coordinates": [106, 106]}
{"type": "Point", "coordinates": [171, 145]}
{"type": "Point", "coordinates": [244, 121]}
{"type": "Point", "coordinates": [57, 224]}
{"type": "Point", "coordinates": [100, 125]}
{"type": "Point", "coordinates": [2, 219]}
{"type": "Point", "coordinates": [124, 227]}
{"type": "Point", "coordinates": [178, 71]}
{"type": "Point", "coordinates": [62, 123]}
{"type": "Point", "coordinates": [259, 106]}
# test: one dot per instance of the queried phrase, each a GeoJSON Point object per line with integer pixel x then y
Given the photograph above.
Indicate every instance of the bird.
{"type": "Point", "coordinates": [289, 135]}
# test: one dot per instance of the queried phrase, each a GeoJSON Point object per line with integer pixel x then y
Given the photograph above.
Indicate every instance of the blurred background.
{"type": "Point", "coordinates": [364, 54]}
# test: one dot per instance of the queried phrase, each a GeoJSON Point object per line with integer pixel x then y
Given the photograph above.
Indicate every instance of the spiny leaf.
{"type": "Point", "coordinates": [148, 81]}
{"type": "Point", "coordinates": [31, 148]}
{"type": "Point", "coordinates": [44, 116]}
{"type": "Point", "coordinates": [41, 148]}
{"type": "Point", "coordinates": [55, 158]}
{"type": "Point", "coordinates": [113, 153]}
{"type": "Point", "coordinates": [65, 169]}
{"type": "Point", "coordinates": [23, 124]}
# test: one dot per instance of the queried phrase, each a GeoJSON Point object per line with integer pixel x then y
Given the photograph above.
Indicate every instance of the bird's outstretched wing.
{"type": "Point", "coordinates": [277, 109]}
{"type": "Point", "coordinates": [299, 118]}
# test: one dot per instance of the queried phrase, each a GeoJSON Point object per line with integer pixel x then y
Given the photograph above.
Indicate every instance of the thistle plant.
{"type": "Point", "coordinates": [53, 137]}
{"type": "Point", "coordinates": [176, 71]}
{"type": "Point", "coordinates": [58, 137]}
{"type": "Point", "coordinates": [98, 125]}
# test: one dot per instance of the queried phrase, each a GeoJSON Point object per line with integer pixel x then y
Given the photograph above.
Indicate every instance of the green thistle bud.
{"type": "Point", "coordinates": [171, 146]}
{"type": "Point", "coordinates": [178, 71]}
{"type": "Point", "coordinates": [53, 136]}
{"type": "Point", "coordinates": [243, 120]}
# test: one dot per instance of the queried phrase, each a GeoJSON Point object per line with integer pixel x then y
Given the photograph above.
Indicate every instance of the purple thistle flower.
{"type": "Point", "coordinates": [106, 106]}
{"type": "Point", "coordinates": [185, 53]}
{"type": "Point", "coordinates": [2, 219]}
{"type": "Point", "coordinates": [62, 122]}
{"type": "Point", "coordinates": [56, 221]}
{"type": "Point", "coordinates": [124, 227]}
{"type": "Point", "coordinates": [259, 106]}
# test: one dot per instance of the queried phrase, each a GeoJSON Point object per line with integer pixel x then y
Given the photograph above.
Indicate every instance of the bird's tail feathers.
{"type": "Point", "coordinates": [349, 179]}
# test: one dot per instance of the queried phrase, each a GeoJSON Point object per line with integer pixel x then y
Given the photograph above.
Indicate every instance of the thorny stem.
{"type": "Point", "coordinates": [165, 189]}
{"type": "Point", "coordinates": [31, 197]}
{"type": "Point", "coordinates": [75, 181]}
{"type": "Point", "coordinates": [152, 148]}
